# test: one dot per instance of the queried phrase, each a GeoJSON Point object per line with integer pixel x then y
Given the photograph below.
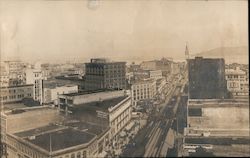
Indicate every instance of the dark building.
{"type": "Point", "coordinates": [207, 78]}
{"type": "Point", "coordinates": [104, 74]}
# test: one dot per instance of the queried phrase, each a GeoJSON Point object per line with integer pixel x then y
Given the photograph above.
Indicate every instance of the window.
{"type": "Point", "coordinates": [73, 155]}
{"type": "Point", "coordinates": [78, 155]}
{"type": "Point", "coordinates": [5, 98]}
{"type": "Point", "coordinates": [84, 154]}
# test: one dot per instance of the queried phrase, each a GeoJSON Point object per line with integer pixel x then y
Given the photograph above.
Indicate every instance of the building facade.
{"type": "Point", "coordinates": [155, 74]}
{"type": "Point", "coordinates": [35, 77]}
{"type": "Point", "coordinates": [89, 96]}
{"type": "Point", "coordinates": [15, 70]}
{"type": "Point", "coordinates": [142, 90]}
{"type": "Point", "coordinates": [17, 93]}
{"type": "Point", "coordinates": [119, 116]}
{"type": "Point", "coordinates": [237, 82]}
{"type": "Point", "coordinates": [51, 93]}
{"type": "Point", "coordinates": [164, 65]}
{"type": "Point", "coordinates": [101, 73]}
{"type": "Point", "coordinates": [207, 78]}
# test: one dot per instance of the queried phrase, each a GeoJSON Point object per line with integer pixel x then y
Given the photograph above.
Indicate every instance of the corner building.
{"type": "Point", "coordinates": [104, 74]}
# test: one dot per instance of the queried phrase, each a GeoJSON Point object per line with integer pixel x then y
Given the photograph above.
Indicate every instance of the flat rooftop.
{"type": "Point", "coordinates": [37, 131]}
{"type": "Point", "coordinates": [88, 92]}
{"type": "Point", "coordinates": [205, 103]}
{"type": "Point", "coordinates": [70, 78]}
{"type": "Point", "coordinates": [100, 105]}
{"type": "Point", "coordinates": [87, 112]}
{"type": "Point", "coordinates": [55, 83]}
{"type": "Point", "coordinates": [11, 106]}
{"type": "Point", "coordinates": [88, 127]}
{"type": "Point", "coordinates": [61, 139]}
{"type": "Point", "coordinates": [16, 86]}
{"type": "Point", "coordinates": [217, 140]}
{"type": "Point", "coordinates": [20, 110]}
{"type": "Point", "coordinates": [62, 136]}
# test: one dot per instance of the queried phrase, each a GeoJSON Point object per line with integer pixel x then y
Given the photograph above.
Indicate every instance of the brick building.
{"type": "Point", "coordinates": [101, 73]}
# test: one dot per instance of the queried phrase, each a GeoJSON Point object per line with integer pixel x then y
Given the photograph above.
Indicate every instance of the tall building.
{"type": "Point", "coordinates": [207, 78]}
{"type": "Point", "coordinates": [143, 90]}
{"type": "Point", "coordinates": [101, 74]}
{"type": "Point", "coordinates": [35, 77]}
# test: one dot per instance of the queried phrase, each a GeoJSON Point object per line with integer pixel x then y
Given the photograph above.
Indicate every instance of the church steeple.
{"type": "Point", "coordinates": [187, 52]}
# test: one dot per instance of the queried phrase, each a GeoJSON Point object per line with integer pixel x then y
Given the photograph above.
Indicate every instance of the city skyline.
{"type": "Point", "coordinates": [124, 78]}
{"type": "Point", "coordinates": [131, 30]}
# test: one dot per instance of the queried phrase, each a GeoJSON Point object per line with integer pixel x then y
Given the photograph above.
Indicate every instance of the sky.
{"type": "Point", "coordinates": [129, 30]}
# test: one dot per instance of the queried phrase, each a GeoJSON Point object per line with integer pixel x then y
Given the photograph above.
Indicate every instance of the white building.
{"type": "Point", "coordinates": [155, 74]}
{"type": "Point", "coordinates": [35, 76]}
{"type": "Point", "coordinates": [51, 93]}
{"type": "Point", "coordinates": [237, 81]}
{"type": "Point", "coordinates": [141, 90]}
{"type": "Point", "coordinates": [120, 115]}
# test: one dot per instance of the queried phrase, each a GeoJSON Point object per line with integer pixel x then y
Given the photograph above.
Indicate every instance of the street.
{"type": "Point", "coordinates": [157, 136]}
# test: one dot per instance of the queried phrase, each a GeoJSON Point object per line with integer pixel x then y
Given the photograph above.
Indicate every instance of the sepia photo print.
{"type": "Point", "coordinates": [124, 78]}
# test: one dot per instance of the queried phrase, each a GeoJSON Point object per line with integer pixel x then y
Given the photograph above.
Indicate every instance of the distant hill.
{"type": "Point", "coordinates": [230, 54]}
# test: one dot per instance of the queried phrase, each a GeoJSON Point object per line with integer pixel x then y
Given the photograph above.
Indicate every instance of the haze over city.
{"type": "Point", "coordinates": [124, 78]}
{"type": "Point", "coordinates": [121, 30]}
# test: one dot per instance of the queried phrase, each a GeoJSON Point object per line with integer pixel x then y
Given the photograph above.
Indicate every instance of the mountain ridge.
{"type": "Point", "coordinates": [230, 54]}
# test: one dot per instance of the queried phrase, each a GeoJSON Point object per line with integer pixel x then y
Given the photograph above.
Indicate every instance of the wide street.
{"type": "Point", "coordinates": [157, 136]}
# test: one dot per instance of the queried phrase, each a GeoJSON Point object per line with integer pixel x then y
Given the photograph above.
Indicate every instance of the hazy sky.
{"type": "Point", "coordinates": [121, 29]}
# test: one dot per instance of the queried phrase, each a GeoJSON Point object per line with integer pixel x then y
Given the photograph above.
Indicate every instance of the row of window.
{"type": "Point", "coordinates": [233, 85]}
{"type": "Point", "coordinates": [121, 117]}
{"type": "Point", "coordinates": [76, 155]}
{"type": "Point", "coordinates": [15, 90]}
{"type": "Point", "coordinates": [115, 81]}
{"type": "Point", "coordinates": [141, 86]}
{"type": "Point", "coordinates": [114, 66]}
{"type": "Point", "coordinates": [140, 90]}
{"type": "Point", "coordinates": [122, 122]}
{"type": "Point", "coordinates": [141, 97]}
{"type": "Point", "coordinates": [235, 76]}
{"type": "Point", "coordinates": [19, 96]}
